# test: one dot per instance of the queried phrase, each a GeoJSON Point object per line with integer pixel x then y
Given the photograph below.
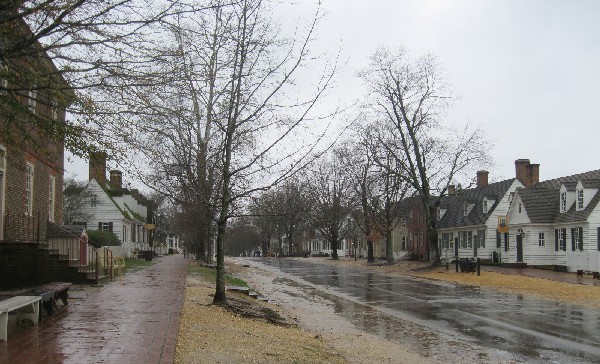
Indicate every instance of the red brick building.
{"type": "Point", "coordinates": [32, 118]}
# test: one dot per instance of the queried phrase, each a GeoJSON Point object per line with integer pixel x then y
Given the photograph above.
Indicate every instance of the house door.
{"type": "Point", "coordinates": [519, 248]}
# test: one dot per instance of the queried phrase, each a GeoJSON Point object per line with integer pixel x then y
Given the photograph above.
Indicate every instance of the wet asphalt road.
{"type": "Point", "coordinates": [527, 329]}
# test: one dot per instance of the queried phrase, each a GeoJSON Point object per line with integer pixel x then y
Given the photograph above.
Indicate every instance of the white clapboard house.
{"type": "Point", "coordinates": [557, 223]}
{"type": "Point", "coordinates": [108, 206]}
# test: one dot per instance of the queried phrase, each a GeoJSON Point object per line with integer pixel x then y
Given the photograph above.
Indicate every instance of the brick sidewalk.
{"type": "Point", "coordinates": [134, 319]}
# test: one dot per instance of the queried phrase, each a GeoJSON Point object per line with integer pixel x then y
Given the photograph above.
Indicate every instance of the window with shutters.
{"type": "Point", "coordinates": [541, 239]}
{"type": "Point", "coordinates": [562, 239]}
{"type": "Point", "coordinates": [105, 226]}
{"type": "Point", "coordinates": [579, 240]}
{"type": "Point", "coordinates": [481, 236]}
{"type": "Point", "coordinates": [446, 240]}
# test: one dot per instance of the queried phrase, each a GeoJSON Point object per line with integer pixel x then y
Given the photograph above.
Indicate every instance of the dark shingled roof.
{"type": "Point", "coordinates": [541, 204]}
{"type": "Point", "coordinates": [542, 200]}
{"type": "Point", "coordinates": [454, 217]}
{"type": "Point", "coordinates": [557, 182]}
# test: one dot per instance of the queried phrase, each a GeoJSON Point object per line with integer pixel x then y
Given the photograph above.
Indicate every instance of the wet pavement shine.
{"type": "Point", "coordinates": [509, 327]}
{"type": "Point", "coordinates": [134, 319]}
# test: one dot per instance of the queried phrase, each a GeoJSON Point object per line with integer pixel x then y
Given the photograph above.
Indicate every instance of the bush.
{"type": "Point", "coordinates": [99, 238]}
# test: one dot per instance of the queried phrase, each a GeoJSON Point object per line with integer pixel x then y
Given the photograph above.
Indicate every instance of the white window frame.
{"type": "Point", "coordinates": [541, 239]}
{"type": "Point", "coordinates": [105, 226]}
{"type": "Point", "coordinates": [29, 178]}
{"type": "Point", "coordinates": [580, 199]}
{"type": "Point", "coordinates": [32, 101]}
{"type": "Point", "coordinates": [51, 198]}
{"type": "Point", "coordinates": [94, 200]}
{"type": "Point", "coordinates": [485, 205]}
{"type": "Point", "coordinates": [563, 201]}
{"type": "Point", "coordinates": [54, 110]}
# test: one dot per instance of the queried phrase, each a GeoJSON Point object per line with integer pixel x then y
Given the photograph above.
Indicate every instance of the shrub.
{"type": "Point", "coordinates": [103, 238]}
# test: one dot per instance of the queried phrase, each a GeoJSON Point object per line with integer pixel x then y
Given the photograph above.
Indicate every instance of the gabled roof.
{"type": "Point", "coordinates": [542, 200]}
{"type": "Point", "coordinates": [557, 182]}
{"type": "Point", "coordinates": [541, 204]}
{"type": "Point", "coordinates": [454, 217]}
{"type": "Point", "coordinates": [581, 215]}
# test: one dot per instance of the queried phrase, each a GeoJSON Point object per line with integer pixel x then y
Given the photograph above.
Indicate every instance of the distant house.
{"type": "Point", "coordinates": [468, 219]}
{"type": "Point", "coordinates": [557, 223]}
{"type": "Point", "coordinates": [108, 206]}
{"type": "Point", "coordinates": [32, 113]}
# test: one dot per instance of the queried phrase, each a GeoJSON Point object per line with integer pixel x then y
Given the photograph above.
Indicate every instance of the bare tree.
{"type": "Point", "coordinates": [223, 117]}
{"type": "Point", "coordinates": [332, 205]}
{"type": "Point", "coordinates": [75, 202]}
{"type": "Point", "coordinates": [87, 43]}
{"type": "Point", "coordinates": [408, 97]}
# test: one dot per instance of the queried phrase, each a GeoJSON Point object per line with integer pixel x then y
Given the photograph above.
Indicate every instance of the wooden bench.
{"type": "Point", "coordinates": [46, 299]}
{"type": "Point", "coordinates": [61, 290]}
{"type": "Point", "coordinates": [27, 307]}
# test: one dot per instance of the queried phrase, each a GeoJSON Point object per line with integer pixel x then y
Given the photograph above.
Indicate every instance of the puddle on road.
{"type": "Point", "coordinates": [443, 320]}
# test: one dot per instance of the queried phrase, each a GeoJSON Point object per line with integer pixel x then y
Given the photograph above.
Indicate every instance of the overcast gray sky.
{"type": "Point", "coordinates": [526, 71]}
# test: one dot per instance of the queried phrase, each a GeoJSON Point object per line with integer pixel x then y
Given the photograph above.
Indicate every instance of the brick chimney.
{"type": "Point", "coordinates": [482, 178]}
{"type": "Point", "coordinates": [116, 180]}
{"type": "Point", "coordinates": [98, 167]}
{"type": "Point", "coordinates": [534, 173]}
{"type": "Point", "coordinates": [451, 190]}
{"type": "Point", "coordinates": [527, 173]}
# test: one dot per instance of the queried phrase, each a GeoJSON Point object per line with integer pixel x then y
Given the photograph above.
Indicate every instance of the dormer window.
{"type": "Point", "coordinates": [465, 209]}
{"type": "Point", "coordinates": [441, 213]}
{"type": "Point", "coordinates": [485, 205]}
{"type": "Point", "coordinates": [563, 201]}
{"type": "Point", "coordinates": [32, 99]}
{"type": "Point", "coordinates": [580, 199]}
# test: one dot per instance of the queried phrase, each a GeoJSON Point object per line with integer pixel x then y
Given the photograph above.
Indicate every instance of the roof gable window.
{"type": "Point", "coordinates": [485, 205]}
{"type": "Point", "coordinates": [440, 213]}
{"type": "Point", "coordinates": [580, 199]}
{"type": "Point", "coordinates": [563, 201]}
{"type": "Point", "coordinates": [467, 207]}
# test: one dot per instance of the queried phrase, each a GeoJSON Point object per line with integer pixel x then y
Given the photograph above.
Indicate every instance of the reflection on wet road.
{"type": "Point", "coordinates": [528, 328]}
